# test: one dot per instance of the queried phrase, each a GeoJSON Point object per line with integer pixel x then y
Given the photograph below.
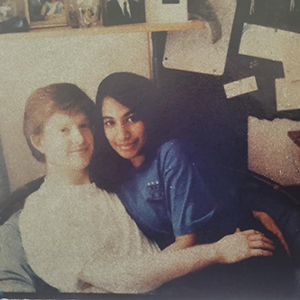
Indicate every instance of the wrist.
{"type": "Point", "coordinates": [219, 255]}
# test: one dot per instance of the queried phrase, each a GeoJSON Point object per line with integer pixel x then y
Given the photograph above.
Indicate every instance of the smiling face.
{"type": "Point", "coordinates": [67, 142]}
{"type": "Point", "coordinates": [125, 133]}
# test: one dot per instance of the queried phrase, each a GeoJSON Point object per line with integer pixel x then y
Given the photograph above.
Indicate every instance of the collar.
{"type": "Point", "coordinates": [121, 3]}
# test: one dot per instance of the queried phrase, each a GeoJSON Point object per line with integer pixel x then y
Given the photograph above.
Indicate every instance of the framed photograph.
{"type": "Point", "coordinates": [120, 12]}
{"type": "Point", "coordinates": [89, 12]}
{"type": "Point", "coordinates": [47, 13]}
{"type": "Point", "coordinates": [10, 9]}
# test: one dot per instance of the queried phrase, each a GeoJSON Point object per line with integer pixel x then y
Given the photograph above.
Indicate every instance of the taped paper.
{"type": "Point", "coordinates": [192, 50]}
{"type": "Point", "coordinates": [240, 87]}
{"type": "Point", "coordinates": [279, 45]}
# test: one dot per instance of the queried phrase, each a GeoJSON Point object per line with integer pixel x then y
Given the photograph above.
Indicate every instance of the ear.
{"type": "Point", "coordinates": [37, 142]}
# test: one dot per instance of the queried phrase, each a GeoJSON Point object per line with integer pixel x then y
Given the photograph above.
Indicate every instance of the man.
{"type": "Point", "coordinates": [121, 12]}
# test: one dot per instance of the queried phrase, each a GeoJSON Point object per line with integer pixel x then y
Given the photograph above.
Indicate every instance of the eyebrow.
{"type": "Point", "coordinates": [125, 115]}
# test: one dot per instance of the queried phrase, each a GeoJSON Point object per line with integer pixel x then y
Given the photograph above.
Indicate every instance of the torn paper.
{"type": "Point", "coordinates": [271, 152]}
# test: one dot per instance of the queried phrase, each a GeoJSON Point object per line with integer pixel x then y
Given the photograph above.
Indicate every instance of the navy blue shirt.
{"type": "Point", "coordinates": [166, 195]}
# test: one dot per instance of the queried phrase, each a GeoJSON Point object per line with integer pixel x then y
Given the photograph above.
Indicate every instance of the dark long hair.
{"type": "Point", "coordinates": [140, 96]}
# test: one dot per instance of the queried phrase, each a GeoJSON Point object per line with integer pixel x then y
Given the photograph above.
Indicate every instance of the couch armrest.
{"type": "Point", "coordinates": [16, 200]}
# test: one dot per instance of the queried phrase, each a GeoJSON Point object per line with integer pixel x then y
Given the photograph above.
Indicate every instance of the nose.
{"type": "Point", "coordinates": [77, 136]}
{"type": "Point", "coordinates": [123, 133]}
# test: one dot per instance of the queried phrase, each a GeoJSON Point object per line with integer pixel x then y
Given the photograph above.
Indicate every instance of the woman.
{"type": "Point", "coordinates": [158, 181]}
{"type": "Point", "coordinates": [76, 237]}
{"type": "Point", "coordinates": [164, 191]}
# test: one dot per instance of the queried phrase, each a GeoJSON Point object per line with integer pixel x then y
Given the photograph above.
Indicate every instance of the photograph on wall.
{"type": "Point", "coordinates": [10, 9]}
{"type": "Point", "coordinates": [47, 13]}
{"type": "Point", "coordinates": [123, 176]}
{"type": "Point", "coordinates": [89, 12]}
{"type": "Point", "coordinates": [13, 16]}
{"type": "Point", "coordinates": [122, 12]}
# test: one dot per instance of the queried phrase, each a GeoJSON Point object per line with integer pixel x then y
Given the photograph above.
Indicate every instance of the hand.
{"type": "Point", "coordinates": [243, 244]}
{"type": "Point", "coordinates": [269, 223]}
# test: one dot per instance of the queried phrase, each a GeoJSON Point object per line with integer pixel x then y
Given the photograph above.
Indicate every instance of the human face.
{"type": "Point", "coordinates": [67, 142]}
{"type": "Point", "coordinates": [125, 133]}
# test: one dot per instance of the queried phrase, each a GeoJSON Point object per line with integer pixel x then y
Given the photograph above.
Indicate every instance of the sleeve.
{"type": "Point", "coordinates": [189, 201]}
{"type": "Point", "coordinates": [15, 275]}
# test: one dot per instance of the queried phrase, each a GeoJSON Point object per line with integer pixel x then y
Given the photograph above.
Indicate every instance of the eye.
{"type": "Point", "coordinates": [108, 123]}
{"type": "Point", "coordinates": [132, 119]}
{"type": "Point", "coordinates": [64, 130]}
{"type": "Point", "coordinates": [85, 125]}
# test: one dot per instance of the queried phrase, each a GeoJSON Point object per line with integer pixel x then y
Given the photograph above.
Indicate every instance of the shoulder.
{"type": "Point", "coordinates": [176, 148]}
{"type": "Point", "coordinates": [12, 224]}
{"type": "Point", "coordinates": [10, 231]}
{"type": "Point", "coordinates": [34, 199]}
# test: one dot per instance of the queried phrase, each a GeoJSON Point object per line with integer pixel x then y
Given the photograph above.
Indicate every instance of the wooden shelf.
{"type": "Point", "coordinates": [97, 30]}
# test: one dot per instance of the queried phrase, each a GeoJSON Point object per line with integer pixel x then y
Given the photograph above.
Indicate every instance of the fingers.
{"type": "Point", "coordinates": [285, 245]}
{"type": "Point", "coordinates": [259, 237]}
{"type": "Point", "coordinates": [270, 225]}
{"type": "Point", "coordinates": [260, 252]}
{"type": "Point", "coordinates": [251, 232]}
{"type": "Point", "coordinates": [256, 235]}
{"type": "Point", "coordinates": [258, 240]}
{"type": "Point", "coordinates": [261, 245]}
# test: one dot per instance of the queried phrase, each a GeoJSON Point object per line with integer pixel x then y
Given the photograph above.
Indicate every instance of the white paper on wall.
{"type": "Point", "coordinates": [287, 94]}
{"type": "Point", "coordinates": [271, 152]}
{"type": "Point", "coordinates": [192, 50]}
{"type": "Point", "coordinates": [278, 45]}
{"type": "Point", "coordinates": [263, 42]}
{"type": "Point", "coordinates": [240, 87]}
{"type": "Point", "coordinates": [159, 12]}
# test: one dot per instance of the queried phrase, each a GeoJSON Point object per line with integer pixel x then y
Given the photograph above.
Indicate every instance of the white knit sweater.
{"type": "Point", "coordinates": [64, 227]}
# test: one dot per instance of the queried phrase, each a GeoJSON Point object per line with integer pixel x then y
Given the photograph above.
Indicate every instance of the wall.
{"type": "Point", "coordinates": [219, 125]}
{"type": "Point", "coordinates": [31, 60]}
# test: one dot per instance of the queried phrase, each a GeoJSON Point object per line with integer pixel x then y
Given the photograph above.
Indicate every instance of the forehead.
{"type": "Point", "coordinates": [112, 108]}
{"type": "Point", "coordinates": [63, 118]}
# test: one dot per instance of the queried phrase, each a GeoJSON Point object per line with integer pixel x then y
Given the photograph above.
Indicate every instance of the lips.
{"type": "Point", "coordinates": [126, 147]}
{"type": "Point", "coordinates": [80, 150]}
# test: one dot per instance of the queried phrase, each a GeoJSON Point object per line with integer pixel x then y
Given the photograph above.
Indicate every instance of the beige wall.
{"type": "Point", "coordinates": [31, 60]}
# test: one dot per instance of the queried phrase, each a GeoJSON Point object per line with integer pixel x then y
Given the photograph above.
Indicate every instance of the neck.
{"type": "Point", "coordinates": [68, 177]}
{"type": "Point", "coordinates": [138, 160]}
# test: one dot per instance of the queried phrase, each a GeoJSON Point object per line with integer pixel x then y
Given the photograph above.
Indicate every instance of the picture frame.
{"type": "Point", "coordinates": [89, 12]}
{"type": "Point", "coordinates": [10, 9]}
{"type": "Point", "coordinates": [113, 14]}
{"type": "Point", "coordinates": [47, 13]}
